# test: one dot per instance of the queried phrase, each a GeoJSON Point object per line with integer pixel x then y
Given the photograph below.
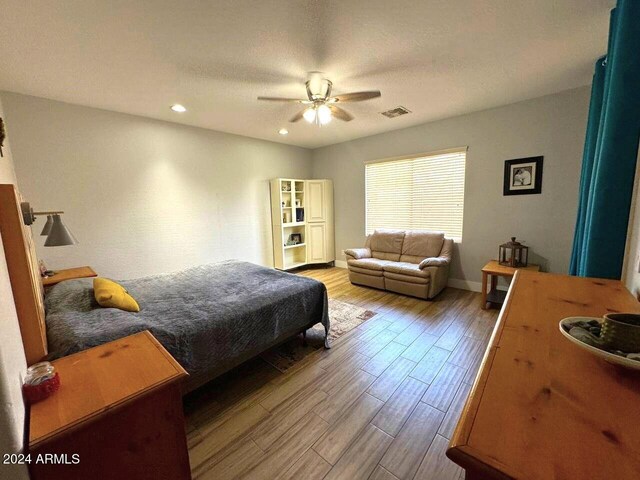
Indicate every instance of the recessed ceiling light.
{"type": "Point", "coordinates": [283, 131]}
{"type": "Point", "coordinates": [178, 108]}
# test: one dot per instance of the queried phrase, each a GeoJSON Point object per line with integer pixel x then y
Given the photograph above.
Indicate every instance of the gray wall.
{"type": "Point", "coordinates": [136, 191]}
{"type": "Point", "coordinates": [145, 196]}
{"type": "Point", "coordinates": [552, 126]}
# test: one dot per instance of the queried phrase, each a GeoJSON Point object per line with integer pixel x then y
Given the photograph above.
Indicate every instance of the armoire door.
{"type": "Point", "coordinates": [316, 207]}
{"type": "Point", "coordinates": [317, 245]}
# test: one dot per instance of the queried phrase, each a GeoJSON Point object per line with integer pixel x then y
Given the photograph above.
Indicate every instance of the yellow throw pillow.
{"type": "Point", "coordinates": [111, 294]}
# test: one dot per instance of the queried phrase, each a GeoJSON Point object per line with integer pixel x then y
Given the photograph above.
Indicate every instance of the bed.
{"type": "Point", "coordinates": [210, 318]}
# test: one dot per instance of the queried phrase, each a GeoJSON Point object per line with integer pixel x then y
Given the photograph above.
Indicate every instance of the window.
{"type": "Point", "coordinates": [419, 193]}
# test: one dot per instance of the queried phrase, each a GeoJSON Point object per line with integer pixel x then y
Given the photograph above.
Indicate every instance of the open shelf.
{"type": "Point", "coordinates": [496, 296]}
{"type": "Point", "coordinates": [287, 247]}
{"type": "Point", "coordinates": [291, 266]}
{"type": "Point", "coordinates": [288, 222]}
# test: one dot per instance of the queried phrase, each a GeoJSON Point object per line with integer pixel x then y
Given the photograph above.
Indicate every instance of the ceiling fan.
{"type": "Point", "coordinates": [322, 107]}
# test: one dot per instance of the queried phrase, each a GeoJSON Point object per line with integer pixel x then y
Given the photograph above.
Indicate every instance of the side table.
{"type": "Point", "coordinates": [494, 270]}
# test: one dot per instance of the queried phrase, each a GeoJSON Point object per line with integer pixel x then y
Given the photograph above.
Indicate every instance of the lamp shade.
{"type": "Point", "coordinates": [310, 114]}
{"type": "Point", "coordinates": [59, 234]}
{"type": "Point", "coordinates": [47, 226]}
{"type": "Point", "coordinates": [323, 115]}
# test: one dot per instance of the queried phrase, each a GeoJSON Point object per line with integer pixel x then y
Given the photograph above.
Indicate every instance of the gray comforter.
{"type": "Point", "coordinates": [207, 317]}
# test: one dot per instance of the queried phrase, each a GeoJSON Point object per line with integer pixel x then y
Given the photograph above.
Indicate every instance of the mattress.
{"type": "Point", "coordinates": [209, 317]}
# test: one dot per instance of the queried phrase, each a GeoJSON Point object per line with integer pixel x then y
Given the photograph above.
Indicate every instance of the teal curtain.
{"type": "Point", "coordinates": [610, 151]}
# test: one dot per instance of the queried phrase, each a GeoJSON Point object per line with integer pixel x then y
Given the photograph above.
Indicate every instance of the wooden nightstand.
{"type": "Point", "coordinates": [494, 270]}
{"type": "Point", "coordinates": [68, 274]}
{"type": "Point", "coordinates": [119, 409]}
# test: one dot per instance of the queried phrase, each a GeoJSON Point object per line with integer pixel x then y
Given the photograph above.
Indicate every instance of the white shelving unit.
{"type": "Point", "coordinates": [304, 209]}
{"type": "Point", "coordinates": [288, 214]}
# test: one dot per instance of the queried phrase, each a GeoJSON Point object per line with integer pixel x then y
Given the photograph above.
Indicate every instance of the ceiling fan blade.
{"type": "Point", "coordinates": [280, 99]}
{"type": "Point", "coordinates": [341, 114]}
{"type": "Point", "coordinates": [297, 117]}
{"type": "Point", "coordinates": [357, 96]}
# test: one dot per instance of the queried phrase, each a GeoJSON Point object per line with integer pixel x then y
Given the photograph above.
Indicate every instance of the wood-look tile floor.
{"type": "Point", "coordinates": [380, 405]}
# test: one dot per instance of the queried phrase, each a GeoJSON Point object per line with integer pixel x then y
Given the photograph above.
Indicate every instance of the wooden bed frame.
{"type": "Point", "coordinates": [193, 382]}
{"type": "Point", "coordinates": [24, 274]}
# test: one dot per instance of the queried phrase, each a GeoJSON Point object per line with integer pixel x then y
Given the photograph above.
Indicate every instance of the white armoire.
{"type": "Point", "coordinates": [302, 222]}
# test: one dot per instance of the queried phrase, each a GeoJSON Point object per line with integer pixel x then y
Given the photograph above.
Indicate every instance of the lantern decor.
{"type": "Point", "coordinates": [513, 254]}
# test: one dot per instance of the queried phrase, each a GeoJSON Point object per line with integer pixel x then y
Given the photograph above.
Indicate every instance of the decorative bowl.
{"type": "Point", "coordinates": [595, 350]}
{"type": "Point", "coordinates": [621, 331]}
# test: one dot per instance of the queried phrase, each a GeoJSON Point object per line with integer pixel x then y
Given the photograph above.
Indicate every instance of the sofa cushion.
{"type": "Point", "coordinates": [368, 263]}
{"type": "Point", "coordinates": [406, 268]}
{"type": "Point", "coordinates": [420, 245]}
{"type": "Point", "coordinates": [387, 244]}
{"type": "Point", "coordinates": [420, 290]}
{"type": "Point", "coordinates": [365, 271]}
{"type": "Point", "coordinates": [391, 257]}
{"type": "Point", "coordinates": [407, 278]}
{"type": "Point", "coordinates": [368, 280]}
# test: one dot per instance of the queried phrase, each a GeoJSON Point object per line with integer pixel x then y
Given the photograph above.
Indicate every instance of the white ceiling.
{"type": "Point", "coordinates": [438, 58]}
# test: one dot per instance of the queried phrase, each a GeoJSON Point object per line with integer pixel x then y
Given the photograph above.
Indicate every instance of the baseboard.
{"type": "Point", "coordinates": [341, 264]}
{"type": "Point", "coordinates": [471, 286]}
{"type": "Point", "coordinates": [464, 285]}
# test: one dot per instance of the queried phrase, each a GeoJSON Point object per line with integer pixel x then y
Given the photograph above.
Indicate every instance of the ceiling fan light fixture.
{"type": "Point", "coordinates": [323, 114]}
{"type": "Point", "coordinates": [318, 87]}
{"type": "Point", "coordinates": [321, 106]}
{"type": "Point", "coordinates": [310, 115]}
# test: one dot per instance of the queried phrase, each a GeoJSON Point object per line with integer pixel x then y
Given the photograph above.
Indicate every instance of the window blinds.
{"type": "Point", "coordinates": [422, 193]}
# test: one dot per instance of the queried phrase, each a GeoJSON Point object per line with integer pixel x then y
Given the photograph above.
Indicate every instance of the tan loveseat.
{"type": "Point", "coordinates": [408, 262]}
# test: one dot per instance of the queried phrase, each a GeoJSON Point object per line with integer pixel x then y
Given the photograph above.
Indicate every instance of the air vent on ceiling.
{"type": "Point", "coordinates": [395, 112]}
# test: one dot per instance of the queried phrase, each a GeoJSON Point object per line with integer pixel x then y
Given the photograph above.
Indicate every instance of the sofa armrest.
{"type": "Point", "coordinates": [434, 262]}
{"type": "Point", "coordinates": [439, 278]}
{"type": "Point", "coordinates": [357, 253]}
{"type": "Point", "coordinates": [443, 259]}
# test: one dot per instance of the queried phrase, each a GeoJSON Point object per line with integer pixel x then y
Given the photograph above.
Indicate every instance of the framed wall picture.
{"type": "Point", "coordinates": [523, 176]}
{"type": "Point", "coordinates": [2, 136]}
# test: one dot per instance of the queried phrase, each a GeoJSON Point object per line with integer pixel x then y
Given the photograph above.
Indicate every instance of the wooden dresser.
{"type": "Point", "coordinates": [541, 407]}
{"type": "Point", "coordinates": [119, 409]}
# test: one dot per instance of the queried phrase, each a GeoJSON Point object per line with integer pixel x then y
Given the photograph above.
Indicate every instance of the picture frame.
{"type": "Point", "coordinates": [2, 136]}
{"type": "Point", "coordinates": [296, 238]}
{"type": "Point", "coordinates": [523, 176]}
